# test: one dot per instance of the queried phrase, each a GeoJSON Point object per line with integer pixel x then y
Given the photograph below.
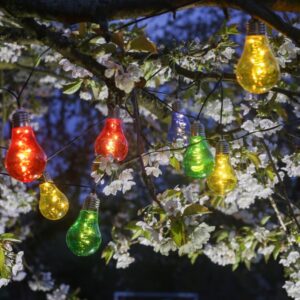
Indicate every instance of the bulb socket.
{"type": "Point", "coordinates": [114, 113]}
{"type": "Point", "coordinates": [92, 202]}
{"type": "Point", "coordinates": [256, 27]}
{"type": "Point", "coordinates": [47, 177]}
{"type": "Point", "coordinates": [222, 147]}
{"type": "Point", "coordinates": [20, 118]}
{"type": "Point", "coordinates": [197, 129]}
{"type": "Point", "coordinates": [176, 106]}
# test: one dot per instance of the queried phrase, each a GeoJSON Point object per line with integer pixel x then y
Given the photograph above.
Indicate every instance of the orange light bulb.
{"type": "Point", "coordinates": [25, 159]}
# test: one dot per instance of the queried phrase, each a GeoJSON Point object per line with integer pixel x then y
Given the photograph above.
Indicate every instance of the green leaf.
{"type": "Point", "coordinates": [107, 254]}
{"type": "Point", "coordinates": [195, 209]}
{"type": "Point", "coordinates": [264, 220]}
{"type": "Point", "coordinates": [2, 259]}
{"type": "Point", "coordinates": [137, 234]}
{"type": "Point", "coordinates": [194, 257]}
{"type": "Point", "coordinates": [142, 43]}
{"type": "Point", "coordinates": [276, 251]}
{"type": "Point", "coordinates": [253, 157]}
{"type": "Point", "coordinates": [73, 87]}
{"type": "Point", "coordinates": [9, 237]}
{"type": "Point", "coordinates": [270, 173]}
{"type": "Point", "coordinates": [178, 232]}
{"type": "Point", "coordinates": [248, 264]}
{"type": "Point", "coordinates": [175, 163]}
{"type": "Point", "coordinates": [222, 235]}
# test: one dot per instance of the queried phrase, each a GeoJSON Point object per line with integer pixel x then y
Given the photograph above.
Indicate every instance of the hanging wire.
{"type": "Point", "coordinates": [208, 96]}
{"type": "Point", "coordinates": [30, 75]}
{"type": "Point", "coordinates": [72, 141]}
{"type": "Point", "coordinates": [12, 93]}
{"type": "Point", "coordinates": [222, 107]}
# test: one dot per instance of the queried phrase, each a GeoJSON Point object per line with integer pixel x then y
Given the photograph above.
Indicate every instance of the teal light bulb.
{"type": "Point", "coordinates": [198, 161]}
{"type": "Point", "coordinates": [84, 237]}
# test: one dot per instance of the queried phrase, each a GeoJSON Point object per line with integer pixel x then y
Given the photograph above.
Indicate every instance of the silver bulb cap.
{"type": "Point", "coordinates": [92, 202]}
{"type": "Point", "coordinates": [197, 129]}
{"type": "Point", "coordinates": [222, 147]}
{"type": "Point", "coordinates": [176, 106]}
{"type": "Point", "coordinates": [20, 118]}
{"type": "Point", "coordinates": [256, 27]}
{"type": "Point", "coordinates": [47, 177]}
{"type": "Point", "coordinates": [114, 113]}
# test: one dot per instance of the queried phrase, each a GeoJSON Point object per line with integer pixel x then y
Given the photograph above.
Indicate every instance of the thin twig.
{"type": "Point", "coordinates": [147, 180]}
{"type": "Point", "coordinates": [208, 96]}
{"type": "Point", "coordinates": [285, 195]}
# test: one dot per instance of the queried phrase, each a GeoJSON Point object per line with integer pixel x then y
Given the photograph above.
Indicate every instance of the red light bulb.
{"type": "Point", "coordinates": [111, 140]}
{"type": "Point", "coordinates": [25, 159]}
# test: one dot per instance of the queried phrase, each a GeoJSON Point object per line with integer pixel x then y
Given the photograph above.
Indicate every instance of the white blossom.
{"type": "Point", "coordinates": [220, 254]}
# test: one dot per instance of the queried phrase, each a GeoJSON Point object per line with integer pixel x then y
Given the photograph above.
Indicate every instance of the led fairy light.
{"type": "Point", "coordinates": [180, 128]}
{"type": "Point", "coordinates": [257, 70]}
{"type": "Point", "coordinates": [84, 237]}
{"type": "Point", "coordinates": [53, 204]}
{"type": "Point", "coordinates": [111, 141]}
{"type": "Point", "coordinates": [25, 159]}
{"type": "Point", "coordinates": [198, 161]}
{"type": "Point", "coordinates": [223, 179]}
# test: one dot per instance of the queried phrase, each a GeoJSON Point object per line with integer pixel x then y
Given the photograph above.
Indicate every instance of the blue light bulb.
{"type": "Point", "coordinates": [180, 128]}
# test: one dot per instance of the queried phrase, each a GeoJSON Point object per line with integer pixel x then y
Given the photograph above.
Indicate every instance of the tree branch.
{"type": "Point", "coordinates": [98, 11]}
{"type": "Point", "coordinates": [75, 11]}
{"type": "Point", "coordinates": [147, 180]}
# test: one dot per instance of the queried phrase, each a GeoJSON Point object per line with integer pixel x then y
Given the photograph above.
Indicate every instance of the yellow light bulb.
{"type": "Point", "coordinates": [257, 70]}
{"type": "Point", "coordinates": [53, 203]}
{"type": "Point", "coordinates": [223, 179]}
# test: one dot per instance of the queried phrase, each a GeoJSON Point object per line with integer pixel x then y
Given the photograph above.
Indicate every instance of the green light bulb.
{"type": "Point", "coordinates": [84, 237]}
{"type": "Point", "coordinates": [198, 161]}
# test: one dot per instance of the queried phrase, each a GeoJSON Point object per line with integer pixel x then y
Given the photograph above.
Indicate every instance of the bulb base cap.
{"type": "Point", "coordinates": [255, 27]}
{"type": "Point", "coordinates": [20, 118]}
{"type": "Point", "coordinates": [92, 202]}
{"type": "Point", "coordinates": [47, 177]}
{"type": "Point", "coordinates": [222, 147]}
{"type": "Point", "coordinates": [197, 129]}
{"type": "Point", "coordinates": [176, 106]}
{"type": "Point", "coordinates": [114, 113]}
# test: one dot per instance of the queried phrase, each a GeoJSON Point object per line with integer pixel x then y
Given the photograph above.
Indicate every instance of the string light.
{"type": "Point", "coordinates": [180, 128]}
{"type": "Point", "coordinates": [25, 159]}
{"type": "Point", "coordinates": [223, 179]}
{"type": "Point", "coordinates": [84, 237]}
{"type": "Point", "coordinates": [198, 161]}
{"type": "Point", "coordinates": [257, 70]}
{"type": "Point", "coordinates": [53, 204]}
{"type": "Point", "coordinates": [111, 141]}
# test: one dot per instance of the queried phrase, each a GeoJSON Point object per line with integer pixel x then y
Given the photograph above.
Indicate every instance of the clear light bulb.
{"type": "Point", "coordinates": [198, 161]}
{"type": "Point", "coordinates": [84, 237]}
{"type": "Point", "coordinates": [257, 70]}
{"type": "Point", "coordinates": [111, 141]}
{"type": "Point", "coordinates": [223, 179]}
{"type": "Point", "coordinates": [180, 128]}
{"type": "Point", "coordinates": [25, 159]}
{"type": "Point", "coordinates": [53, 204]}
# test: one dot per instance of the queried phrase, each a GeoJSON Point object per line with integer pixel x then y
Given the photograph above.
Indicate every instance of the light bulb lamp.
{"type": "Point", "coordinates": [111, 141]}
{"type": "Point", "coordinates": [53, 204]}
{"type": "Point", "coordinates": [84, 237]}
{"type": "Point", "coordinates": [257, 70]}
{"type": "Point", "coordinates": [198, 161]}
{"type": "Point", "coordinates": [25, 159]}
{"type": "Point", "coordinates": [223, 179]}
{"type": "Point", "coordinates": [180, 128]}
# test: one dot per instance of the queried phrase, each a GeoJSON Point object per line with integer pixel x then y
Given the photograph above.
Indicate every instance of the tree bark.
{"type": "Point", "coordinates": [94, 10]}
